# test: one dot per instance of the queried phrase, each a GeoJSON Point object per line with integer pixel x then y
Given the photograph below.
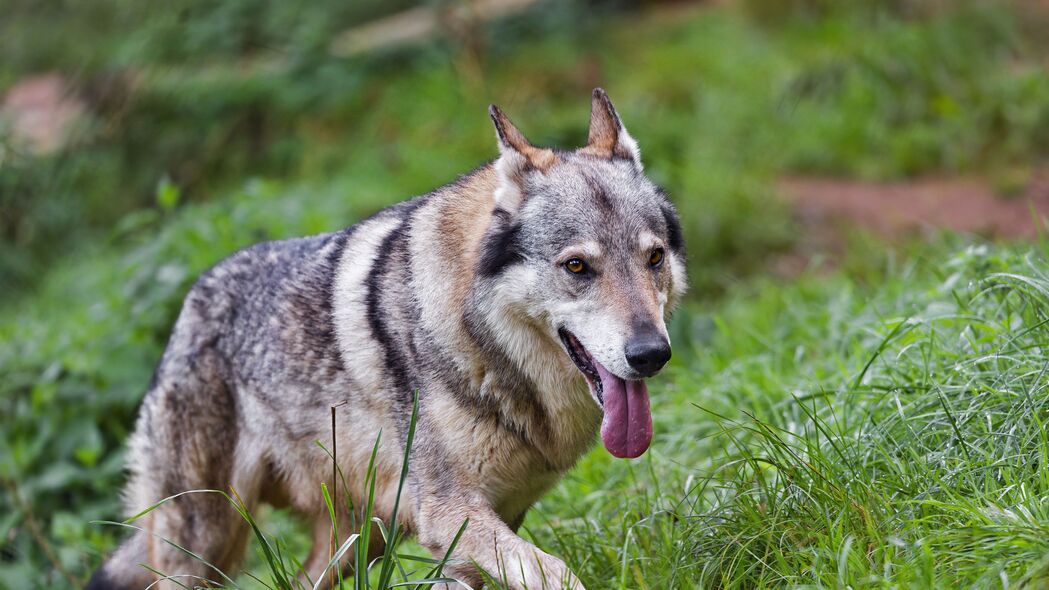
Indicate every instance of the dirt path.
{"type": "Point", "coordinates": [902, 209]}
{"type": "Point", "coordinates": [830, 209]}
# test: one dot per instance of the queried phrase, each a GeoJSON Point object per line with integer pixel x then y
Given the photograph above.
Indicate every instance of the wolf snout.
{"type": "Point", "coordinates": [647, 352]}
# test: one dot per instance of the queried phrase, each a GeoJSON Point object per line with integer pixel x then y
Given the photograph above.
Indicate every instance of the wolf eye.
{"type": "Point", "coordinates": [575, 266]}
{"type": "Point", "coordinates": [656, 258]}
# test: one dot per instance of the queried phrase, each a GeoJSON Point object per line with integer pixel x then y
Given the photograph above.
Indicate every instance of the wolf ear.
{"type": "Point", "coordinates": [608, 137]}
{"type": "Point", "coordinates": [516, 157]}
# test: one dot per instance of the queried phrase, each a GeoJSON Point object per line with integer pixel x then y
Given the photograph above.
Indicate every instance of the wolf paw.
{"type": "Point", "coordinates": [542, 571]}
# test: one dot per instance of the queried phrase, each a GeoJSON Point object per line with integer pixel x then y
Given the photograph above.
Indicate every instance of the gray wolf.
{"type": "Point", "coordinates": [525, 303]}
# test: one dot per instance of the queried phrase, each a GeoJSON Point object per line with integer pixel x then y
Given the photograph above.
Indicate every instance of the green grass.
{"type": "Point", "coordinates": [279, 559]}
{"type": "Point", "coordinates": [781, 457]}
{"type": "Point", "coordinates": [825, 435]}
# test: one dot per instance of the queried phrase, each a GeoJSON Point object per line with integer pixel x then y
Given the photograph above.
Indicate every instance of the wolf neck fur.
{"type": "Point", "coordinates": [503, 322]}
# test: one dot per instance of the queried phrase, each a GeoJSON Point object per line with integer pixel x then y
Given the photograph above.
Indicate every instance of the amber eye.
{"type": "Point", "coordinates": [575, 266]}
{"type": "Point", "coordinates": [656, 258]}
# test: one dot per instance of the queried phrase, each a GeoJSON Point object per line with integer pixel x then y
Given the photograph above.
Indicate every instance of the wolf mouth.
{"type": "Point", "coordinates": [584, 362]}
{"type": "Point", "coordinates": [626, 428]}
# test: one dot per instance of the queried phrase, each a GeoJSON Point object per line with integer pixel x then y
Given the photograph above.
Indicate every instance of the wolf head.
{"type": "Point", "coordinates": [590, 252]}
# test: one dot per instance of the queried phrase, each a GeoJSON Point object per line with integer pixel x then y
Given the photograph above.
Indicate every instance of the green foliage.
{"type": "Point", "coordinates": [837, 437]}
{"type": "Point", "coordinates": [76, 358]}
{"type": "Point", "coordinates": [203, 93]}
{"type": "Point", "coordinates": [801, 468]}
{"type": "Point", "coordinates": [948, 91]}
{"type": "Point", "coordinates": [946, 94]}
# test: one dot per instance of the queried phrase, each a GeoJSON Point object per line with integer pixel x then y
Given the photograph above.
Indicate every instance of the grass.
{"type": "Point", "coordinates": [285, 570]}
{"type": "Point", "coordinates": [879, 426]}
{"type": "Point", "coordinates": [823, 435]}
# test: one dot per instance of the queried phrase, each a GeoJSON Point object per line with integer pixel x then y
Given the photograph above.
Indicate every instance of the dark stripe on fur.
{"type": "Point", "coordinates": [395, 362]}
{"type": "Point", "coordinates": [674, 235]}
{"type": "Point", "coordinates": [330, 268]}
{"type": "Point", "coordinates": [500, 247]}
{"type": "Point", "coordinates": [312, 303]}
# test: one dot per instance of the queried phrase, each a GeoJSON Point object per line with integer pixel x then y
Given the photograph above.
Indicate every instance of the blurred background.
{"type": "Point", "coordinates": [140, 143]}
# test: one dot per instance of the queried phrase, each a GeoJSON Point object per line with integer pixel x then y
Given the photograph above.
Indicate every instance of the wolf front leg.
{"type": "Point", "coordinates": [488, 544]}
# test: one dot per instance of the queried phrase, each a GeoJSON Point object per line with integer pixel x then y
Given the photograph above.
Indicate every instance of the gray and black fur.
{"type": "Point", "coordinates": [459, 295]}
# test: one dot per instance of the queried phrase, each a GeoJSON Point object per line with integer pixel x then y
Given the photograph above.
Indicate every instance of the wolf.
{"type": "Point", "coordinates": [522, 306]}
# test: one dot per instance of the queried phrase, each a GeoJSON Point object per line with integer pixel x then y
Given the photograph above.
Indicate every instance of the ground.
{"type": "Point", "coordinates": [830, 210]}
{"type": "Point", "coordinates": [902, 209]}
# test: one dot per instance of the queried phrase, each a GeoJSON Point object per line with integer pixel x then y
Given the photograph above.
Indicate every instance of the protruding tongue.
{"type": "Point", "coordinates": [627, 426]}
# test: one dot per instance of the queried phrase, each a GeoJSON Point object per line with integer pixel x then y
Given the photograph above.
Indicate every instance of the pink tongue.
{"type": "Point", "coordinates": [627, 426]}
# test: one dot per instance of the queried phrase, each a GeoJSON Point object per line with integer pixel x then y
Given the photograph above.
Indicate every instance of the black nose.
{"type": "Point", "coordinates": [647, 353]}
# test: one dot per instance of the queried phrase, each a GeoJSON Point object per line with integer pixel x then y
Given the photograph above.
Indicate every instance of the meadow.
{"type": "Point", "coordinates": [877, 421]}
